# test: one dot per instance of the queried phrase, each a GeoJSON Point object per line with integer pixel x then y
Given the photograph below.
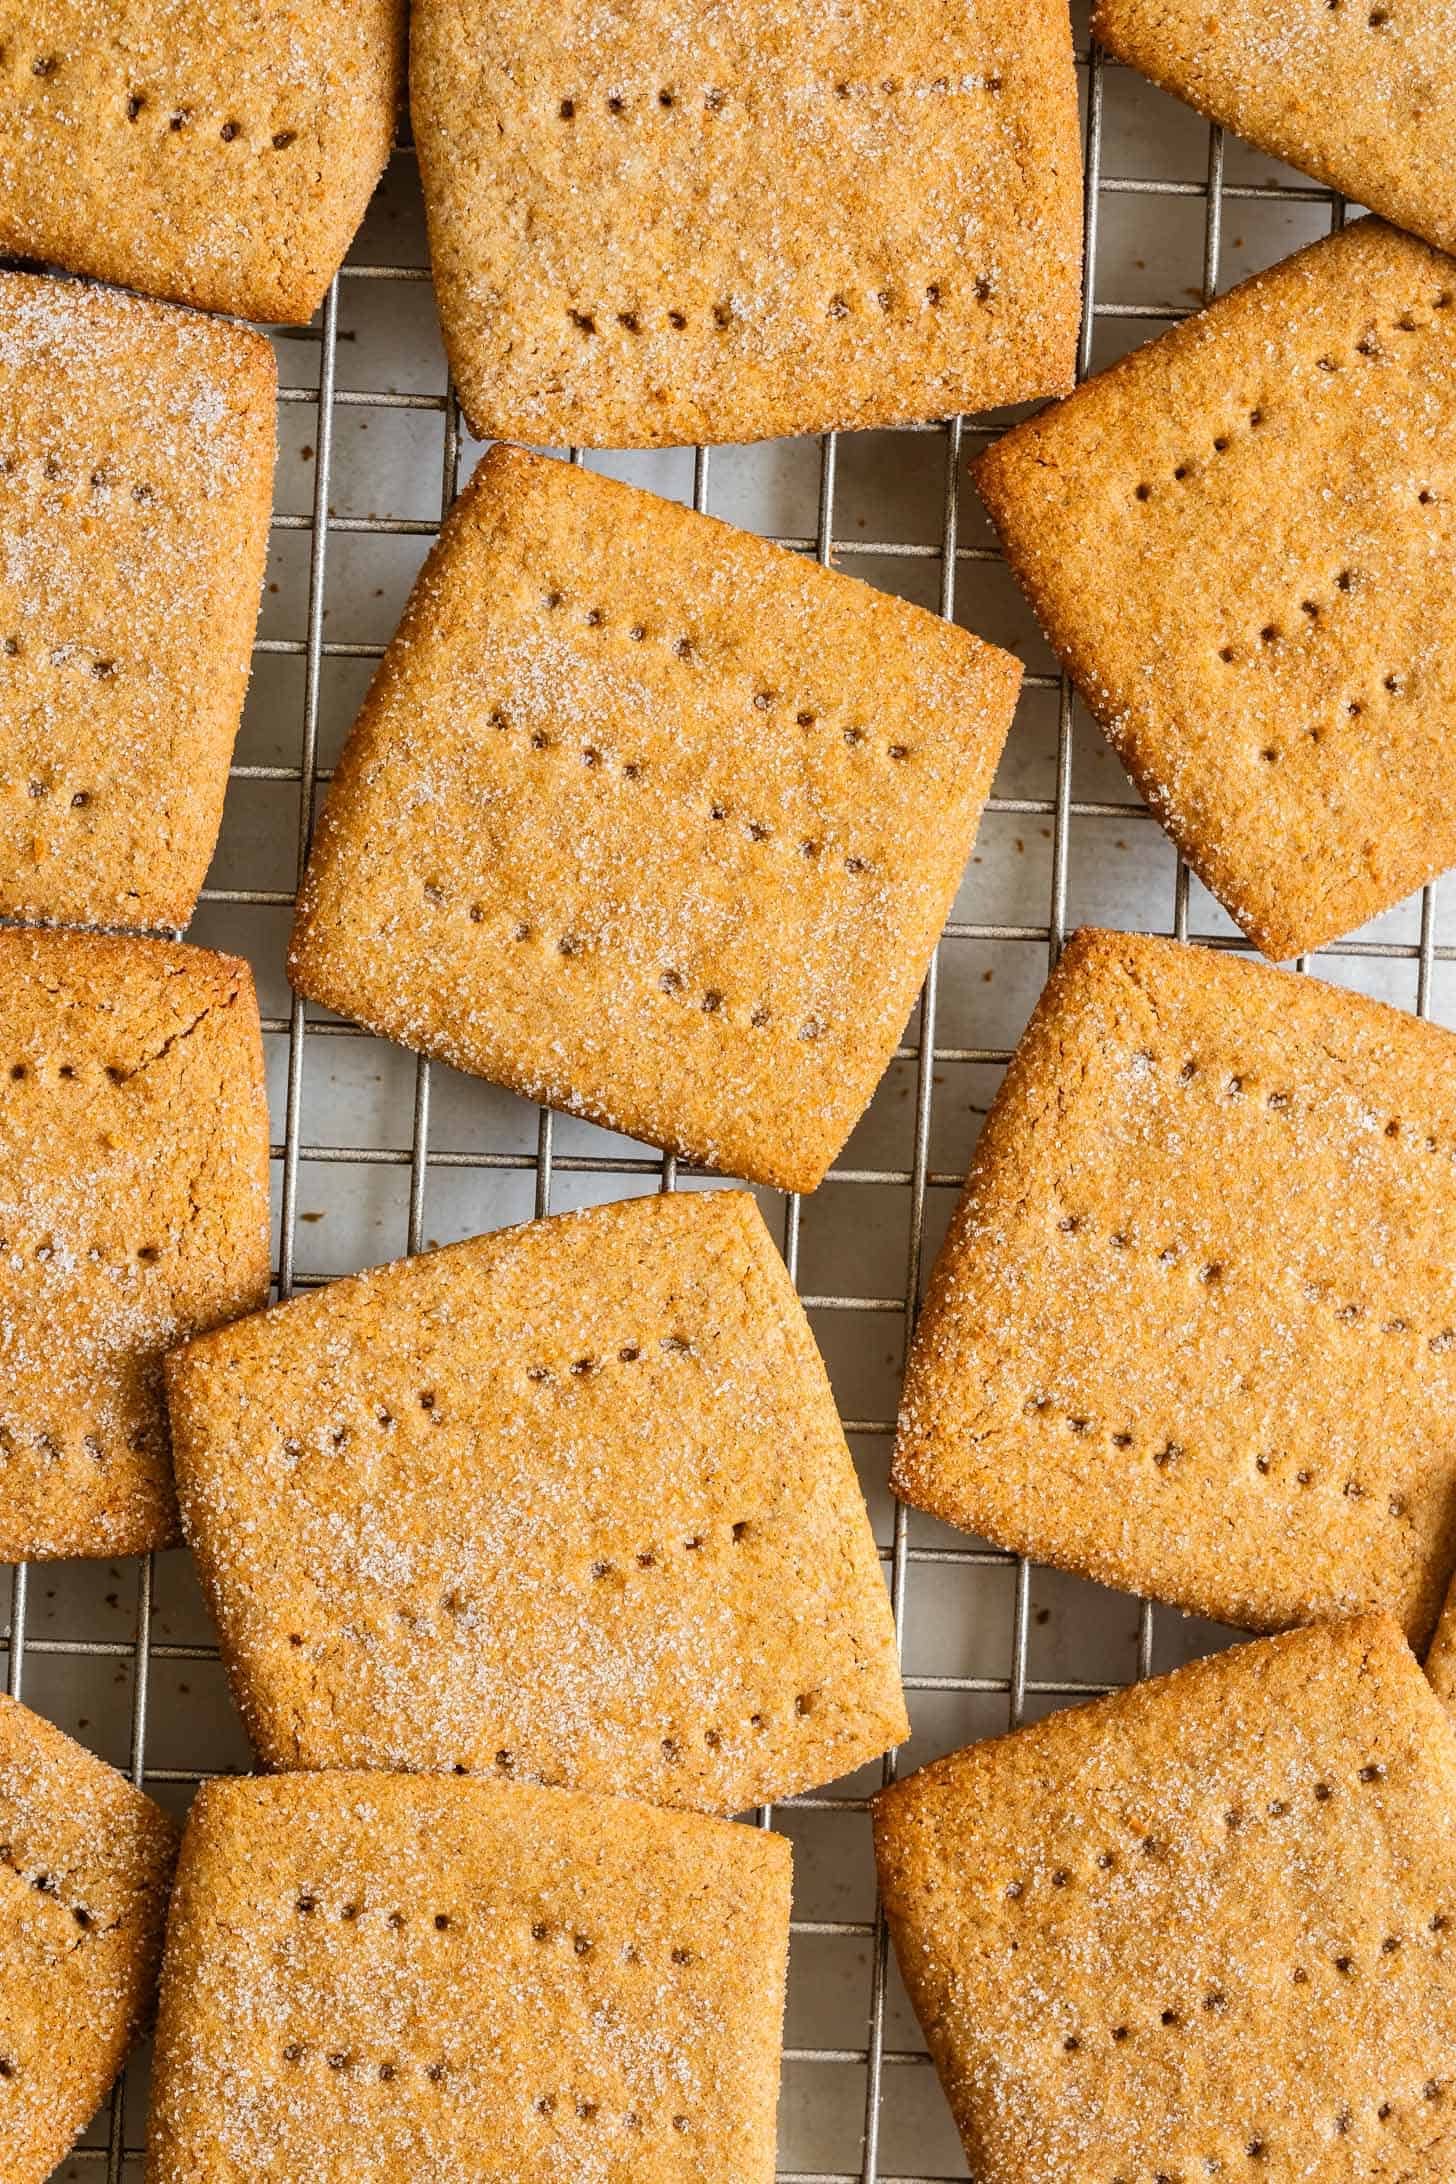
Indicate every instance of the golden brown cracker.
{"type": "Point", "coordinates": [1240, 541]}
{"type": "Point", "coordinates": [136, 468]}
{"type": "Point", "coordinates": [85, 1864]}
{"type": "Point", "coordinates": [650, 820]}
{"type": "Point", "coordinates": [569, 1503]}
{"type": "Point", "coordinates": [1360, 94]}
{"type": "Point", "coordinates": [220, 155]}
{"type": "Point", "coordinates": [1204, 1928]}
{"type": "Point", "coordinates": [133, 1212]}
{"type": "Point", "coordinates": [743, 223]}
{"type": "Point", "coordinates": [1193, 1330]}
{"type": "Point", "coordinates": [376, 1977]}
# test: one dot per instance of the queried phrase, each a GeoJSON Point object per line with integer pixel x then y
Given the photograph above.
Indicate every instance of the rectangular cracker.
{"type": "Point", "coordinates": [385, 1487]}
{"type": "Point", "coordinates": [650, 820]}
{"type": "Point", "coordinates": [1193, 1329]}
{"type": "Point", "coordinates": [373, 1978]}
{"type": "Point", "coordinates": [1204, 1928]}
{"type": "Point", "coordinates": [1360, 94]}
{"type": "Point", "coordinates": [85, 1864]}
{"type": "Point", "coordinates": [221, 156]}
{"type": "Point", "coordinates": [1240, 542]}
{"type": "Point", "coordinates": [133, 1212]}
{"type": "Point", "coordinates": [136, 468]}
{"type": "Point", "coordinates": [733, 224]}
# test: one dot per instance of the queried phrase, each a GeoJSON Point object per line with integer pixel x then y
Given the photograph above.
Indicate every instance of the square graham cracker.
{"type": "Point", "coordinates": [1204, 1928]}
{"type": "Point", "coordinates": [1193, 1329]}
{"type": "Point", "coordinates": [85, 1864]}
{"type": "Point", "coordinates": [1361, 96]}
{"type": "Point", "coordinates": [744, 222]}
{"type": "Point", "coordinates": [1240, 542]}
{"type": "Point", "coordinates": [650, 820]}
{"type": "Point", "coordinates": [569, 1503]}
{"type": "Point", "coordinates": [220, 156]}
{"type": "Point", "coordinates": [136, 468]}
{"type": "Point", "coordinates": [133, 1212]}
{"type": "Point", "coordinates": [371, 1979]}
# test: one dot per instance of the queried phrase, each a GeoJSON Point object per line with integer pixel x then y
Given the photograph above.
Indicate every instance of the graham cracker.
{"type": "Point", "coordinates": [1239, 540]}
{"type": "Point", "coordinates": [747, 222]}
{"type": "Point", "coordinates": [569, 1503]}
{"type": "Point", "coordinates": [1361, 96]}
{"type": "Point", "coordinates": [136, 465]}
{"type": "Point", "coordinates": [220, 155]}
{"type": "Point", "coordinates": [650, 820]}
{"type": "Point", "coordinates": [85, 1863]}
{"type": "Point", "coordinates": [133, 1212]}
{"type": "Point", "coordinates": [1204, 1928]}
{"type": "Point", "coordinates": [371, 1979]}
{"type": "Point", "coordinates": [1193, 1329]}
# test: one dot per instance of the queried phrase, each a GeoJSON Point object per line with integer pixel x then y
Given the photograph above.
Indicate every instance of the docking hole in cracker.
{"type": "Point", "coordinates": [570, 1503]}
{"type": "Point", "coordinates": [650, 820]}
{"type": "Point", "coordinates": [742, 226]}
{"type": "Point", "coordinates": [1191, 1332]}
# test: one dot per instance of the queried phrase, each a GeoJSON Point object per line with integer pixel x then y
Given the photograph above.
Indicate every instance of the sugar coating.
{"type": "Point", "coordinates": [1441, 1657]}
{"type": "Point", "coordinates": [1359, 94]}
{"type": "Point", "coordinates": [566, 1503]}
{"type": "Point", "coordinates": [133, 1212]}
{"type": "Point", "coordinates": [1204, 1928]}
{"type": "Point", "coordinates": [1240, 540]}
{"type": "Point", "coordinates": [664, 224]}
{"type": "Point", "coordinates": [1192, 1332]}
{"type": "Point", "coordinates": [378, 1979]}
{"type": "Point", "coordinates": [85, 1863]}
{"type": "Point", "coordinates": [220, 155]}
{"type": "Point", "coordinates": [136, 465]}
{"type": "Point", "coordinates": [650, 820]}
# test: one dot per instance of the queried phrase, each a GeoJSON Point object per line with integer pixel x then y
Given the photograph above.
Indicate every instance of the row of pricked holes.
{"type": "Point", "coordinates": [306, 1904]}
{"type": "Point", "coordinates": [46, 66]}
{"type": "Point", "coordinates": [1367, 346]}
{"type": "Point", "coordinates": [1235, 1820]}
{"type": "Point", "coordinates": [1235, 1087]}
{"type": "Point", "coordinates": [45, 1444]}
{"type": "Point", "coordinates": [839, 306]}
{"type": "Point", "coordinates": [297, 2053]}
{"type": "Point", "coordinates": [682, 647]}
{"type": "Point", "coordinates": [52, 469]}
{"type": "Point", "coordinates": [1171, 1453]}
{"type": "Point", "coordinates": [1212, 1273]}
{"type": "Point", "coordinates": [44, 1884]}
{"type": "Point", "coordinates": [99, 668]}
{"type": "Point", "coordinates": [1261, 2151]}
{"type": "Point", "coordinates": [670, 981]}
{"type": "Point", "coordinates": [715, 98]}
{"type": "Point", "coordinates": [672, 1747]}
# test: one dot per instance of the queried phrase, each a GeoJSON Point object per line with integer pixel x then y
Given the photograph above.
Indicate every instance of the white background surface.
{"type": "Point", "coordinates": [984, 1642]}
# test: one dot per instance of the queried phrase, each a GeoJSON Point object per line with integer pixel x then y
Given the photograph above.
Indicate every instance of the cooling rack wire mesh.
{"type": "Point", "coordinates": [376, 1152]}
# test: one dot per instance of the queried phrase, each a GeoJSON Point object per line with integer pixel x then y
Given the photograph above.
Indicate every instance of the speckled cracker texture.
{"type": "Point", "coordinates": [219, 155]}
{"type": "Point", "coordinates": [735, 223]}
{"type": "Point", "coordinates": [651, 820]}
{"type": "Point", "coordinates": [374, 1979]}
{"type": "Point", "coordinates": [567, 1503]}
{"type": "Point", "coordinates": [133, 1213]}
{"type": "Point", "coordinates": [136, 469]}
{"type": "Point", "coordinates": [1240, 541]}
{"type": "Point", "coordinates": [1193, 1330]}
{"type": "Point", "coordinates": [1362, 95]}
{"type": "Point", "coordinates": [1204, 1928]}
{"type": "Point", "coordinates": [1441, 1659]}
{"type": "Point", "coordinates": [85, 1864]}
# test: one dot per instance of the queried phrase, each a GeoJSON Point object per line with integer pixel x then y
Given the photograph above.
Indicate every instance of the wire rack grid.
{"type": "Point", "coordinates": [886, 2046]}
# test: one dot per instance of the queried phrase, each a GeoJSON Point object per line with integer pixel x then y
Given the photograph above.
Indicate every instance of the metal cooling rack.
{"type": "Point", "coordinates": [853, 2047]}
